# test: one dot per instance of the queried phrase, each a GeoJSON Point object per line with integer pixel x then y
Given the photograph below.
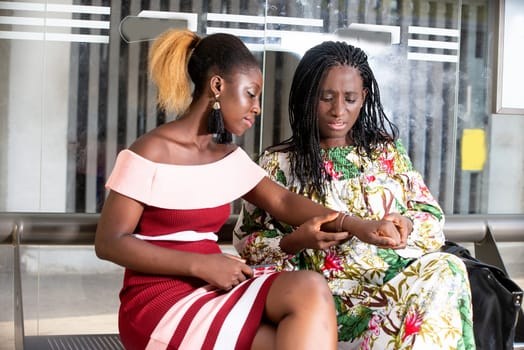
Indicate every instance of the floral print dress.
{"type": "Point", "coordinates": [412, 298]}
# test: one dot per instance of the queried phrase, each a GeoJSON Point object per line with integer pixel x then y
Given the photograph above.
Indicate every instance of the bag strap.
{"type": "Point", "coordinates": [456, 249]}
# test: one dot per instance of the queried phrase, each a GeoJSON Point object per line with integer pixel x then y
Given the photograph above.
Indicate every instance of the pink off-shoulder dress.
{"type": "Point", "coordinates": [184, 206]}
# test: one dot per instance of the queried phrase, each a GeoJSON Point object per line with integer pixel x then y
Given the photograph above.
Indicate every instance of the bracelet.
{"type": "Point", "coordinates": [339, 228]}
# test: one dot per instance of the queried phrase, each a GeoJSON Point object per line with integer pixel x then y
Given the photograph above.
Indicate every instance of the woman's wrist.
{"type": "Point", "coordinates": [351, 224]}
{"type": "Point", "coordinates": [290, 245]}
{"type": "Point", "coordinates": [340, 220]}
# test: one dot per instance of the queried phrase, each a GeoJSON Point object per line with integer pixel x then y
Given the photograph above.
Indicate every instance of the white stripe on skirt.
{"type": "Point", "coordinates": [236, 318]}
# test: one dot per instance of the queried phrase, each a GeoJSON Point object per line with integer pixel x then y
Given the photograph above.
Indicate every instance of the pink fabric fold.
{"type": "Point", "coordinates": [184, 186]}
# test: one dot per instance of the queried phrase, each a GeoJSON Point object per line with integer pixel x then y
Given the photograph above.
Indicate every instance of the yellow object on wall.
{"type": "Point", "coordinates": [473, 149]}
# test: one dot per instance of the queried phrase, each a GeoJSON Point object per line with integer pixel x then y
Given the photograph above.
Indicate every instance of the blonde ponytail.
{"type": "Point", "coordinates": [168, 59]}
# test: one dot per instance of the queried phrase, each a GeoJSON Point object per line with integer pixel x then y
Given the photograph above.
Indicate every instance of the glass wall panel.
{"type": "Point", "coordinates": [68, 290]}
{"type": "Point", "coordinates": [413, 48]}
{"type": "Point", "coordinates": [7, 322]}
{"type": "Point", "coordinates": [74, 92]}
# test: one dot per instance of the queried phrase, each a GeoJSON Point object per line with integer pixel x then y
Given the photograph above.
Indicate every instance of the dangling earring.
{"type": "Point", "coordinates": [224, 137]}
{"type": "Point", "coordinates": [215, 124]}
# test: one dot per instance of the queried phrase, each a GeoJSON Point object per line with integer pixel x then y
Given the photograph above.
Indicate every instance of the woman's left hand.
{"type": "Point", "coordinates": [403, 225]}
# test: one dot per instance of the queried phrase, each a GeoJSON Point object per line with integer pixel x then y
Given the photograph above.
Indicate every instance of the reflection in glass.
{"type": "Point", "coordinates": [90, 95]}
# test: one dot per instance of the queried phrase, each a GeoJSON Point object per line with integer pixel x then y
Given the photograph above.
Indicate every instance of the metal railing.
{"type": "Point", "coordinates": [79, 228]}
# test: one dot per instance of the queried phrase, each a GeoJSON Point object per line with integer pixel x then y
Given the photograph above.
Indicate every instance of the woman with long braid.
{"type": "Point", "coordinates": [344, 153]}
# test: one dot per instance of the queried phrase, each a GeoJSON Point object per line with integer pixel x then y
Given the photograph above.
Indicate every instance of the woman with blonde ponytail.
{"type": "Point", "coordinates": [170, 192]}
{"type": "Point", "coordinates": [168, 60]}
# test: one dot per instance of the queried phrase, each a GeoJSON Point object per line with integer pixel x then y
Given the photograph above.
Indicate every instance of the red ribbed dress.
{"type": "Point", "coordinates": [184, 207]}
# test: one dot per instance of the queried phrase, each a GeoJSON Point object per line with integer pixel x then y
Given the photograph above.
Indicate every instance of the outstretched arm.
{"type": "Point", "coordinates": [296, 210]}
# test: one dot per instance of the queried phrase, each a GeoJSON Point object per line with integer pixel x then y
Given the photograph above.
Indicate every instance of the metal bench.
{"type": "Point", "coordinates": [18, 229]}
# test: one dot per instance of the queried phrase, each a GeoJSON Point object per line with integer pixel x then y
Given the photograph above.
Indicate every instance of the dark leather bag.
{"type": "Point", "coordinates": [497, 301]}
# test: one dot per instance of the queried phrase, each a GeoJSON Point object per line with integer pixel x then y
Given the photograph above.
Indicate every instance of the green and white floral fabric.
{"type": "Point", "coordinates": [413, 298]}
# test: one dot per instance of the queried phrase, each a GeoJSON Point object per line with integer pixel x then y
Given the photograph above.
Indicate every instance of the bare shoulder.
{"type": "Point", "coordinates": [171, 144]}
{"type": "Point", "coordinates": [152, 145]}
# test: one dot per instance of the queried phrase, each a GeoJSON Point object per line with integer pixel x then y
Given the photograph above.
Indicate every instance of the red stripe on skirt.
{"type": "Point", "coordinates": [221, 315]}
{"type": "Point", "coordinates": [186, 320]}
{"type": "Point", "coordinates": [247, 334]}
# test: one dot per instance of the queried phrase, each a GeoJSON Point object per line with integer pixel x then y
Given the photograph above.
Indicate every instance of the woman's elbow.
{"type": "Point", "coordinates": [102, 250]}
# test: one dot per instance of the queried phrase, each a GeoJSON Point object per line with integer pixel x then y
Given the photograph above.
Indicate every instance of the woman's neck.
{"type": "Point", "coordinates": [327, 143]}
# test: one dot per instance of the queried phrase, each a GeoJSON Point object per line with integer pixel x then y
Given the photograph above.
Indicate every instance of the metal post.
{"type": "Point", "coordinates": [17, 289]}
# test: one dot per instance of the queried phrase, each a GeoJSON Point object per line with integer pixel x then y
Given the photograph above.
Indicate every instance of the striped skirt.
{"type": "Point", "coordinates": [164, 312]}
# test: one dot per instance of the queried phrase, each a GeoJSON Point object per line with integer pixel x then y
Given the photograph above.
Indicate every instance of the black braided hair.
{"type": "Point", "coordinates": [371, 128]}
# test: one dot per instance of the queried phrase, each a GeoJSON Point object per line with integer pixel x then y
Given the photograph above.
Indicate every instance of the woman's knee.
{"type": "Point", "coordinates": [300, 290]}
{"type": "Point", "coordinates": [312, 281]}
{"type": "Point", "coordinates": [443, 261]}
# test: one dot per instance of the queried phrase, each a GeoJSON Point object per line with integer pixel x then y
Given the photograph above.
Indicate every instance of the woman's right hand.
{"type": "Point", "coordinates": [223, 271]}
{"type": "Point", "coordinates": [310, 235]}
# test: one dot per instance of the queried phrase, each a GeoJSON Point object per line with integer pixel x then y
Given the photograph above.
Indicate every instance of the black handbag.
{"type": "Point", "coordinates": [496, 299]}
